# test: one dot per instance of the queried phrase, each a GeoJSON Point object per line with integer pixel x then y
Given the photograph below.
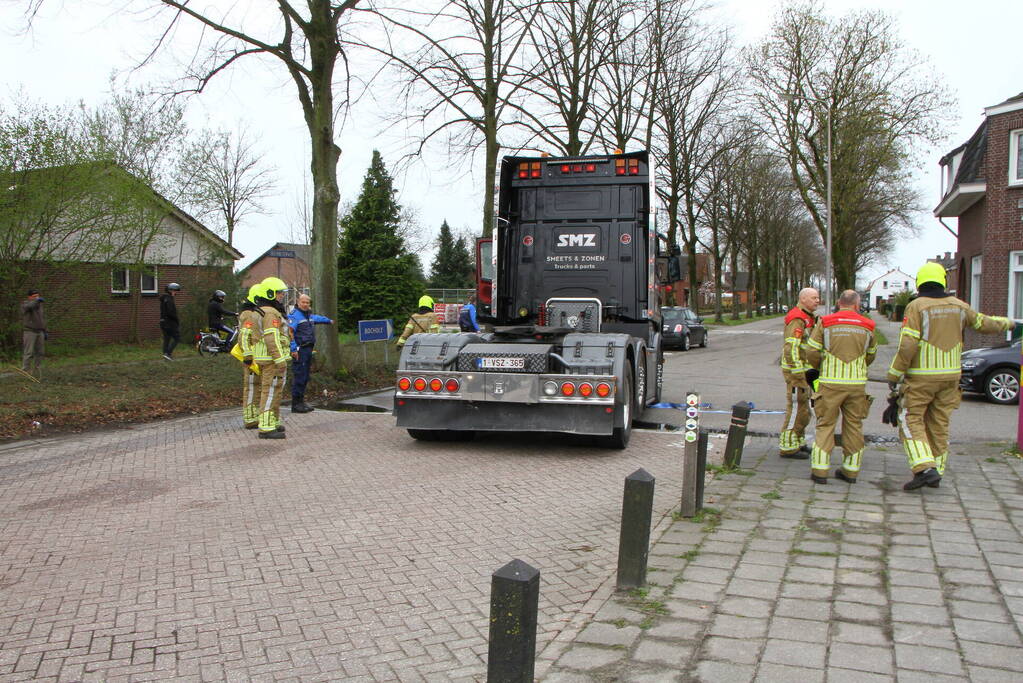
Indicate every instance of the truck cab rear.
{"type": "Point", "coordinates": [574, 342]}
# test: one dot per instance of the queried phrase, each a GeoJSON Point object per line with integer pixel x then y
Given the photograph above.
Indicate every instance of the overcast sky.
{"type": "Point", "coordinates": [74, 47]}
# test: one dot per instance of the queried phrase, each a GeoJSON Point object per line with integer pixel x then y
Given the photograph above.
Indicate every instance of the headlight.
{"type": "Point", "coordinates": [971, 363]}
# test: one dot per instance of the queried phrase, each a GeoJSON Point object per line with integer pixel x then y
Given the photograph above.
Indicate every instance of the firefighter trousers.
{"type": "Point", "coordinates": [251, 388]}
{"type": "Point", "coordinates": [925, 410]}
{"type": "Point", "coordinates": [797, 415]}
{"type": "Point", "coordinates": [851, 402]}
{"type": "Point", "coordinates": [272, 377]}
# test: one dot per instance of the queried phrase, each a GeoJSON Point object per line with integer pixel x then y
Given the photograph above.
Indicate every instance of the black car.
{"type": "Point", "coordinates": [682, 328]}
{"type": "Point", "coordinates": [993, 371]}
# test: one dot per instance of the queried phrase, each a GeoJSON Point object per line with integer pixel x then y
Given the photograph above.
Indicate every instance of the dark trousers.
{"type": "Point", "coordinates": [171, 337]}
{"type": "Point", "coordinates": [300, 373]}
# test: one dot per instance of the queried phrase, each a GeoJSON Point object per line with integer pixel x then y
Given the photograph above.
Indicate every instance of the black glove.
{"type": "Point", "coordinates": [247, 361]}
{"type": "Point", "coordinates": [893, 387]}
{"type": "Point", "coordinates": [812, 375]}
{"type": "Point", "coordinates": [890, 416]}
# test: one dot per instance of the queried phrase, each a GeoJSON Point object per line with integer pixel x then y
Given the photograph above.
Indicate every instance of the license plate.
{"type": "Point", "coordinates": [502, 363]}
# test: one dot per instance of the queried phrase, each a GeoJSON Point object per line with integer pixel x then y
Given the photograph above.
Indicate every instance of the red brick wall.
{"type": "Point", "coordinates": [80, 306]}
{"type": "Point", "coordinates": [294, 271]}
{"type": "Point", "coordinates": [1003, 229]}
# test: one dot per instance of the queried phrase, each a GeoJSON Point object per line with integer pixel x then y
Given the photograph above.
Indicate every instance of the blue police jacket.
{"type": "Point", "coordinates": [301, 324]}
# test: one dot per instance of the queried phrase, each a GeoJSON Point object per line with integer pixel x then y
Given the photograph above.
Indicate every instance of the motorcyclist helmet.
{"type": "Point", "coordinates": [219, 295]}
{"type": "Point", "coordinates": [930, 272]}
{"type": "Point", "coordinates": [173, 287]}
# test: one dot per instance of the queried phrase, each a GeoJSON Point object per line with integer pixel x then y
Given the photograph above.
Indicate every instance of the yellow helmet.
{"type": "Point", "coordinates": [256, 290]}
{"type": "Point", "coordinates": [426, 300]}
{"type": "Point", "coordinates": [930, 272]}
{"type": "Point", "coordinates": [274, 284]}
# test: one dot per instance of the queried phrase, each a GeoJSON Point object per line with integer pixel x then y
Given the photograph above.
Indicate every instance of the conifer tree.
{"type": "Point", "coordinates": [377, 276]}
{"type": "Point", "coordinates": [453, 266]}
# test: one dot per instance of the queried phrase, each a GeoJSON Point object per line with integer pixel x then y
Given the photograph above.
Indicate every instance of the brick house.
{"type": "Point", "coordinates": [288, 261]}
{"type": "Point", "coordinates": [114, 295]}
{"type": "Point", "coordinates": [982, 186]}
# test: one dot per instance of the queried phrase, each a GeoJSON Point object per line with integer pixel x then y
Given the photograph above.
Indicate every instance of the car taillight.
{"type": "Point", "coordinates": [585, 389]}
{"type": "Point", "coordinates": [436, 384]}
{"type": "Point", "coordinates": [568, 389]}
{"type": "Point", "coordinates": [452, 385]}
{"type": "Point", "coordinates": [419, 384]}
{"type": "Point", "coordinates": [404, 383]}
{"type": "Point", "coordinates": [603, 389]}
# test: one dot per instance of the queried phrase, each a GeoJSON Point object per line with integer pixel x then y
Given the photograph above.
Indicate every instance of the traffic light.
{"type": "Point", "coordinates": [674, 269]}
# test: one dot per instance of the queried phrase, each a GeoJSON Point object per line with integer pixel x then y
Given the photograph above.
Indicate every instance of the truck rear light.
{"type": "Point", "coordinates": [603, 390]}
{"type": "Point", "coordinates": [568, 389]}
{"type": "Point", "coordinates": [565, 168]}
{"type": "Point", "coordinates": [436, 384]}
{"type": "Point", "coordinates": [619, 166]}
{"type": "Point", "coordinates": [585, 389]}
{"type": "Point", "coordinates": [452, 385]}
{"type": "Point", "coordinates": [577, 168]}
{"type": "Point", "coordinates": [534, 169]}
{"type": "Point", "coordinates": [633, 166]}
{"type": "Point", "coordinates": [419, 384]}
{"type": "Point", "coordinates": [590, 168]}
{"type": "Point", "coordinates": [523, 170]}
{"type": "Point", "coordinates": [404, 383]}
{"type": "Point", "coordinates": [550, 388]}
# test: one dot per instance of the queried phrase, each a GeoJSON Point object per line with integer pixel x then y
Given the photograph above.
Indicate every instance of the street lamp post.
{"type": "Point", "coordinates": [790, 97]}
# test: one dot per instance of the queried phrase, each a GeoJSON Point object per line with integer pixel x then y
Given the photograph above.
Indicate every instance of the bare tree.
{"type": "Point", "coordinates": [223, 176]}
{"type": "Point", "coordinates": [461, 67]}
{"type": "Point", "coordinates": [881, 103]}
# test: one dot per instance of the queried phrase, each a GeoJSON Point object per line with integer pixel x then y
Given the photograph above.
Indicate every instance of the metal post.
{"type": "Point", "coordinates": [634, 542]}
{"type": "Point", "coordinates": [827, 267]}
{"type": "Point", "coordinates": [514, 601]}
{"type": "Point", "coordinates": [701, 467]}
{"type": "Point", "coordinates": [691, 471]}
{"type": "Point", "coordinates": [737, 434]}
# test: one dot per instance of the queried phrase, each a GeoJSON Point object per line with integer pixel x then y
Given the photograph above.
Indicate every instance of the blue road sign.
{"type": "Point", "coordinates": [375, 330]}
{"type": "Point", "coordinates": [282, 253]}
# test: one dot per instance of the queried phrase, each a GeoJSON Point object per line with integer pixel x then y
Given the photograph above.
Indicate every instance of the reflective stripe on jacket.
{"type": "Point", "coordinates": [798, 326]}
{"type": "Point", "coordinates": [841, 347]}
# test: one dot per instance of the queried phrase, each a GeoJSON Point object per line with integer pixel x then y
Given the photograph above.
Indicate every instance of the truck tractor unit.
{"type": "Point", "coordinates": [574, 332]}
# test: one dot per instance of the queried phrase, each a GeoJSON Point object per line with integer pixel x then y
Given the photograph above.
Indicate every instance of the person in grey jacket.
{"type": "Point", "coordinates": [33, 322]}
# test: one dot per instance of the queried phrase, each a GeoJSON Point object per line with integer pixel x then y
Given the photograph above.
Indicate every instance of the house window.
{"type": "Point", "coordinates": [1016, 157]}
{"type": "Point", "coordinates": [884, 285]}
{"type": "Point", "coordinates": [905, 284]}
{"type": "Point", "coordinates": [1016, 285]}
{"type": "Point", "coordinates": [976, 269]}
{"type": "Point", "coordinates": [147, 282]}
{"type": "Point", "coordinates": [119, 281]}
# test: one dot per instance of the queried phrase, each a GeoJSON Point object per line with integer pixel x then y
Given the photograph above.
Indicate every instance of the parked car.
{"type": "Point", "coordinates": [993, 372]}
{"type": "Point", "coordinates": [682, 328]}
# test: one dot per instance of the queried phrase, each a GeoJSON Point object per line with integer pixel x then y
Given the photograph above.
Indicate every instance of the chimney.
{"type": "Point", "coordinates": [948, 255]}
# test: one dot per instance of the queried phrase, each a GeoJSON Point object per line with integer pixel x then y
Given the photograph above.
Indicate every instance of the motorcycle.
{"type": "Point", "coordinates": [209, 342]}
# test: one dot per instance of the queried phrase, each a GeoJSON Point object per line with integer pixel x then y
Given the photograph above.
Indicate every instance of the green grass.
{"type": "Point", "coordinates": [729, 322]}
{"type": "Point", "coordinates": [771, 495]}
{"type": "Point", "coordinates": [724, 469]}
{"type": "Point", "coordinates": [880, 337]}
{"type": "Point", "coordinates": [822, 553]}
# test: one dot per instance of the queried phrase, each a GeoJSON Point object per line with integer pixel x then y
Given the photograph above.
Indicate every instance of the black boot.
{"type": "Point", "coordinates": [819, 480]}
{"type": "Point", "coordinates": [805, 449]}
{"type": "Point", "coordinates": [300, 406]}
{"type": "Point", "coordinates": [928, 477]}
{"type": "Point", "coordinates": [796, 455]}
{"type": "Point", "coordinates": [272, 435]}
{"type": "Point", "coordinates": [844, 477]}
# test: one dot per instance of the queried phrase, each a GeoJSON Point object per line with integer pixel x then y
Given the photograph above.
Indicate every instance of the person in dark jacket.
{"type": "Point", "coordinates": [169, 324]}
{"type": "Point", "coordinates": [33, 323]}
{"type": "Point", "coordinates": [303, 337]}
{"type": "Point", "coordinates": [215, 313]}
{"type": "Point", "coordinates": [467, 316]}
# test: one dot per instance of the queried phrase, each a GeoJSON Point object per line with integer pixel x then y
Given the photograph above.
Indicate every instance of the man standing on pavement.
{"type": "Point", "coordinates": [250, 341]}
{"type": "Point", "coordinates": [169, 325]}
{"type": "Point", "coordinates": [33, 323]}
{"type": "Point", "coordinates": [799, 323]}
{"type": "Point", "coordinates": [928, 359]}
{"type": "Point", "coordinates": [302, 322]}
{"type": "Point", "coordinates": [841, 347]}
{"type": "Point", "coordinates": [273, 361]}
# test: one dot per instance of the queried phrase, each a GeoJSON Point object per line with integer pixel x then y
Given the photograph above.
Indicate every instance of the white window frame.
{"type": "Point", "coordinates": [1015, 268]}
{"type": "Point", "coordinates": [976, 271]}
{"type": "Point", "coordinates": [1015, 163]}
{"type": "Point", "coordinates": [127, 281]}
{"type": "Point", "coordinates": [156, 282]}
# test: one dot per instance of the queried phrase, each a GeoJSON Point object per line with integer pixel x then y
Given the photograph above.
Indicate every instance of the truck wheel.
{"type": "Point", "coordinates": [620, 436]}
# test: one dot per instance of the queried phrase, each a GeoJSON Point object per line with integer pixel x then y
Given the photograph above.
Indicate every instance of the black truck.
{"type": "Point", "coordinates": [574, 332]}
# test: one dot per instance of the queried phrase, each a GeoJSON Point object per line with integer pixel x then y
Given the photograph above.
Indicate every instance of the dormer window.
{"type": "Point", "coordinates": [1016, 157]}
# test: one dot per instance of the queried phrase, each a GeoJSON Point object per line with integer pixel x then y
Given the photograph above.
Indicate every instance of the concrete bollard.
{"type": "Point", "coordinates": [634, 543]}
{"type": "Point", "coordinates": [514, 601]}
{"type": "Point", "coordinates": [737, 434]}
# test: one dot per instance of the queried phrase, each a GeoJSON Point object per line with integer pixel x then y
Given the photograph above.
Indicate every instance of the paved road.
{"type": "Point", "coordinates": [188, 549]}
{"type": "Point", "coordinates": [741, 363]}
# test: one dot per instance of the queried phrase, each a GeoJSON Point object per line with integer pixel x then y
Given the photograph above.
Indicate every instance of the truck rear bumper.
{"type": "Point", "coordinates": [488, 416]}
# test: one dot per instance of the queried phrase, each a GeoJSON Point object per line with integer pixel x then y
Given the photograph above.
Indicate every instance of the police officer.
{"type": "Point", "coordinates": [424, 320]}
{"type": "Point", "coordinates": [250, 340]}
{"type": "Point", "coordinates": [302, 321]}
{"type": "Point", "coordinates": [841, 347]}
{"type": "Point", "coordinates": [799, 323]}
{"type": "Point", "coordinates": [928, 366]}
{"type": "Point", "coordinates": [273, 361]}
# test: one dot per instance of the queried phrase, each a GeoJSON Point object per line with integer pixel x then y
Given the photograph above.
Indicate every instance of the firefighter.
{"type": "Point", "coordinates": [927, 365]}
{"type": "Point", "coordinates": [841, 347]}
{"type": "Point", "coordinates": [424, 320]}
{"type": "Point", "coordinates": [799, 323]}
{"type": "Point", "coordinates": [250, 341]}
{"type": "Point", "coordinates": [273, 361]}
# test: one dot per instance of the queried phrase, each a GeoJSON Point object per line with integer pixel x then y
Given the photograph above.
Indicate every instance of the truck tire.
{"type": "Point", "coordinates": [441, 435]}
{"type": "Point", "coordinates": [619, 438]}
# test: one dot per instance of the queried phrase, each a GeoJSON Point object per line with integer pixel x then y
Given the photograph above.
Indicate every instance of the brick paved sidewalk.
{"type": "Point", "coordinates": [801, 582]}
